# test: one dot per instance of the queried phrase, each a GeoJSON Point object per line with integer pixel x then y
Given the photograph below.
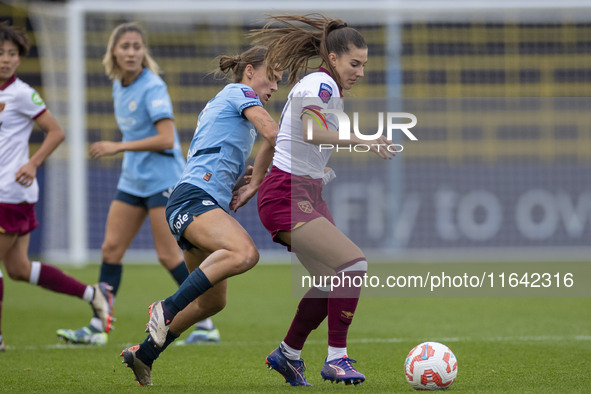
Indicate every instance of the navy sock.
{"type": "Point", "coordinates": [195, 285]}
{"type": "Point", "coordinates": [148, 351]}
{"type": "Point", "coordinates": [180, 273]}
{"type": "Point", "coordinates": [111, 273]}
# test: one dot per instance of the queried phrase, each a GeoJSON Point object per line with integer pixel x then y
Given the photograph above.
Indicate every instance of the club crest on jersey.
{"type": "Point", "coordinates": [207, 176]}
{"type": "Point", "coordinates": [249, 93]}
{"type": "Point", "coordinates": [2, 106]}
{"type": "Point", "coordinates": [132, 105]}
{"type": "Point", "coordinates": [305, 206]}
{"type": "Point", "coordinates": [325, 92]}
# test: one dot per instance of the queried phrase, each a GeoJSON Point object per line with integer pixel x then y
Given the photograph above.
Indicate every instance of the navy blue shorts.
{"type": "Point", "coordinates": [186, 202]}
{"type": "Point", "coordinates": [155, 200]}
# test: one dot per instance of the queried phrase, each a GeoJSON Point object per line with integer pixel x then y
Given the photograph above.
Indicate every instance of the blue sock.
{"type": "Point", "coordinates": [195, 285]}
{"type": "Point", "coordinates": [148, 351]}
{"type": "Point", "coordinates": [111, 273]}
{"type": "Point", "coordinates": [180, 273]}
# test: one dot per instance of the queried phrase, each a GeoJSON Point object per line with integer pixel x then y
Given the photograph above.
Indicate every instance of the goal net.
{"type": "Point", "coordinates": [501, 168]}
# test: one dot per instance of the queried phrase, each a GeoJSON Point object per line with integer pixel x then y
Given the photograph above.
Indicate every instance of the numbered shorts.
{"type": "Point", "coordinates": [155, 200]}
{"type": "Point", "coordinates": [186, 202]}
{"type": "Point", "coordinates": [17, 218]}
{"type": "Point", "coordinates": [286, 201]}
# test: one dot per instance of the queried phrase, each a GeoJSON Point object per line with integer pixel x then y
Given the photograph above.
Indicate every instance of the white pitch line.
{"type": "Point", "coordinates": [541, 338]}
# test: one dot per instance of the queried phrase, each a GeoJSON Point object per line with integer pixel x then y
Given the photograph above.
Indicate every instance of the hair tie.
{"type": "Point", "coordinates": [340, 27]}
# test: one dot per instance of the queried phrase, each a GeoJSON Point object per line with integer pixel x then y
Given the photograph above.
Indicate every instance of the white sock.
{"type": "Point", "coordinates": [289, 352]}
{"type": "Point", "coordinates": [88, 294]}
{"type": "Point", "coordinates": [97, 324]}
{"type": "Point", "coordinates": [206, 324]}
{"type": "Point", "coordinates": [336, 353]}
{"type": "Point", "coordinates": [35, 272]}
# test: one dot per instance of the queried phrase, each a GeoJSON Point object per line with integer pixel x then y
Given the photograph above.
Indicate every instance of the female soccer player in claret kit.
{"type": "Point", "coordinates": [152, 164]}
{"type": "Point", "coordinates": [20, 108]}
{"type": "Point", "coordinates": [215, 245]}
{"type": "Point", "coordinates": [290, 200]}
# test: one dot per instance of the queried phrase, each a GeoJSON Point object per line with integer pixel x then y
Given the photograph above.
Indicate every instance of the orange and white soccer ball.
{"type": "Point", "coordinates": [430, 366]}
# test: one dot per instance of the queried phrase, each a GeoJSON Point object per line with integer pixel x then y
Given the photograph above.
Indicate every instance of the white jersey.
{"type": "Point", "coordinates": [20, 105]}
{"type": "Point", "coordinates": [292, 153]}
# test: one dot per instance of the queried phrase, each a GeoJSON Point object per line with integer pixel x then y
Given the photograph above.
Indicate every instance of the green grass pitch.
{"type": "Point", "coordinates": [502, 345]}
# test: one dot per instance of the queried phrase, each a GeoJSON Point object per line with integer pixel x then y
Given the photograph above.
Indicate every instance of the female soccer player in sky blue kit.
{"type": "Point", "coordinates": [20, 108]}
{"type": "Point", "coordinates": [290, 200]}
{"type": "Point", "coordinates": [214, 244]}
{"type": "Point", "coordinates": [152, 164]}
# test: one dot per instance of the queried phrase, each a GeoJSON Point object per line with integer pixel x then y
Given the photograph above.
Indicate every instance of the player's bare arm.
{"type": "Point", "coordinates": [263, 122]}
{"type": "Point", "coordinates": [162, 141]}
{"type": "Point", "coordinates": [55, 135]}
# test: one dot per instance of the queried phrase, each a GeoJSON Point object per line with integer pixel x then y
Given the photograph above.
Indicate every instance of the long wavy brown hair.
{"type": "Point", "coordinates": [300, 38]}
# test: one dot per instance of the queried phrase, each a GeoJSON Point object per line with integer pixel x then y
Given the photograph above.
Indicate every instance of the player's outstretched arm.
{"type": "Point", "coordinates": [161, 141]}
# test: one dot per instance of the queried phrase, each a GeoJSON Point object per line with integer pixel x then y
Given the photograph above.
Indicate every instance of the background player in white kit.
{"type": "Point", "coordinates": [20, 108]}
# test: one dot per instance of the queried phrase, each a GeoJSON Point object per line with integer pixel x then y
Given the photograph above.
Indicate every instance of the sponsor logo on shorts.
{"type": "Point", "coordinates": [167, 192]}
{"type": "Point", "coordinates": [207, 202]}
{"type": "Point", "coordinates": [207, 176]}
{"type": "Point", "coordinates": [180, 220]}
{"type": "Point", "coordinates": [305, 206]}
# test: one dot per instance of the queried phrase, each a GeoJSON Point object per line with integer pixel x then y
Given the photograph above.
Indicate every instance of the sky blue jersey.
{"type": "Point", "coordinates": [222, 143]}
{"type": "Point", "coordinates": [137, 107]}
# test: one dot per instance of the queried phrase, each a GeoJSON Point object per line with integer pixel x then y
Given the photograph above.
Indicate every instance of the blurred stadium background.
{"type": "Point", "coordinates": [501, 171]}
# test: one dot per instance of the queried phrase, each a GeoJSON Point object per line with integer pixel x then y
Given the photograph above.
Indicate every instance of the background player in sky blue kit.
{"type": "Point", "coordinates": [152, 164]}
{"type": "Point", "coordinates": [214, 244]}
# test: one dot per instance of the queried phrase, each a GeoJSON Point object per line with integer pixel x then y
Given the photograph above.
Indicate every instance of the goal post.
{"type": "Point", "coordinates": [423, 56]}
